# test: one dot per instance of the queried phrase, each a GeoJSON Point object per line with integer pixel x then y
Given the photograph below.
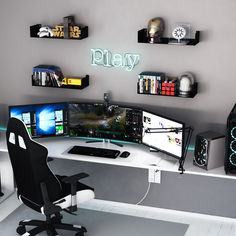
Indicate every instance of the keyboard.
{"type": "Point", "coordinates": [91, 151]}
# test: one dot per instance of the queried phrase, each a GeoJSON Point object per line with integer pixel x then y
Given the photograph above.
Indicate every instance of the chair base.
{"type": "Point", "coordinates": [50, 226]}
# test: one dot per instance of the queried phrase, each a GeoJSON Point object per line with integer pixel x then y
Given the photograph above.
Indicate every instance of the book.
{"type": "Point", "coordinates": [43, 78]}
{"type": "Point", "coordinates": [150, 82]}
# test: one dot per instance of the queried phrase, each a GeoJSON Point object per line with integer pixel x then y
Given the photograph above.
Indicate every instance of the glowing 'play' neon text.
{"type": "Point", "coordinates": [103, 57]}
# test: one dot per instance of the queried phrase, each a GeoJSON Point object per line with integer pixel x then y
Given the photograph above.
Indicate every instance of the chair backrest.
{"type": "Point", "coordinates": [28, 159]}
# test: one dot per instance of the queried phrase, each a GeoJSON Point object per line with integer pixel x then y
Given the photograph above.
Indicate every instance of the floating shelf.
{"type": "Point", "coordinates": [142, 38]}
{"type": "Point", "coordinates": [34, 29]}
{"type": "Point", "coordinates": [83, 81]}
{"type": "Point", "coordinates": [193, 93]}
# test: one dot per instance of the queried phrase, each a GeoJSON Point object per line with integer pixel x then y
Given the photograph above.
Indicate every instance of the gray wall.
{"type": "Point", "coordinates": [114, 25]}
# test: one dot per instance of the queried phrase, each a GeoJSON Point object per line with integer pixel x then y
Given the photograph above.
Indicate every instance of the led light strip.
{"type": "Point", "coordinates": [231, 147]}
{"type": "Point", "coordinates": [230, 159]}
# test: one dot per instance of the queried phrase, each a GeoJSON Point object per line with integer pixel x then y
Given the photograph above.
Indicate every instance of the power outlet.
{"type": "Point", "coordinates": [154, 176]}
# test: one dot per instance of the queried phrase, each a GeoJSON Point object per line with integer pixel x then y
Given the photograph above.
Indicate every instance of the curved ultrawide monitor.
{"type": "Point", "coordinates": [105, 122]}
{"type": "Point", "coordinates": [42, 119]}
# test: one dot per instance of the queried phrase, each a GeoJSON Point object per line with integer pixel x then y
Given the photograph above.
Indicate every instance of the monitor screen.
{"type": "Point", "coordinates": [106, 122]}
{"type": "Point", "coordinates": [42, 119]}
{"type": "Point", "coordinates": [156, 134]}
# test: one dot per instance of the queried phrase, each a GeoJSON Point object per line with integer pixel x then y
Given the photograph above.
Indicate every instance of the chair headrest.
{"type": "Point", "coordinates": [17, 132]}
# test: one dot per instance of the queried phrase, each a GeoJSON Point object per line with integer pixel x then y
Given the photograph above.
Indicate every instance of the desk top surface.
{"type": "Point", "coordinates": [140, 156]}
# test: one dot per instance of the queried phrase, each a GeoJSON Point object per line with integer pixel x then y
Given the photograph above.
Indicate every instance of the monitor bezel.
{"type": "Point", "coordinates": [43, 104]}
{"type": "Point", "coordinates": [102, 103]}
{"type": "Point", "coordinates": [161, 150]}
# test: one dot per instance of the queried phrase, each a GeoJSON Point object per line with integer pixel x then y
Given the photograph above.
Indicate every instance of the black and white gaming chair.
{"type": "Point", "coordinates": [38, 187]}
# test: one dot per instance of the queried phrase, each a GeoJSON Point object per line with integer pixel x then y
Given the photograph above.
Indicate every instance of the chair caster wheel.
{"type": "Point", "coordinates": [21, 229]}
{"type": "Point", "coordinates": [79, 234]}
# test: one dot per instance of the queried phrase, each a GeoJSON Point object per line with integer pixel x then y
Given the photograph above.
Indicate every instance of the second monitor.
{"type": "Point", "coordinates": [42, 119]}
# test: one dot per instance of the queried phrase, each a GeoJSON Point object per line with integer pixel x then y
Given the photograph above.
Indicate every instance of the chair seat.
{"type": "Point", "coordinates": [83, 193]}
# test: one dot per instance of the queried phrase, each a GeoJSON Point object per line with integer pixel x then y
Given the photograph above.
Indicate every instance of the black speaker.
{"type": "Point", "coordinates": [230, 144]}
{"type": "Point", "coordinates": [209, 150]}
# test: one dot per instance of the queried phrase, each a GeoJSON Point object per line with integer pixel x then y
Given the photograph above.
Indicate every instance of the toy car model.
{"type": "Point", "coordinates": [45, 31]}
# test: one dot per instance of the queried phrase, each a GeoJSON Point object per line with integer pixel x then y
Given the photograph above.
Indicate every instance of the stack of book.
{"type": "Point", "coordinates": [47, 75]}
{"type": "Point", "coordinates": [150, 82]}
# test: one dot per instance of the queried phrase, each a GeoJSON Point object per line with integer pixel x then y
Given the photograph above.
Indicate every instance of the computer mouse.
{"type": "Point", "coordinates": [124, 154]}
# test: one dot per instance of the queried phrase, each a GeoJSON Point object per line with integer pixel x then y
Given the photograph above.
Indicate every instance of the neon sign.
{"type": "Point", "coordinates": [103, 57]}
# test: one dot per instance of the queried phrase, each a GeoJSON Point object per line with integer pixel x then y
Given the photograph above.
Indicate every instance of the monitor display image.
{"type": "Point", "coordinates": [156, 134]}
{"type": "Point", "coordinates": [106, 122]}
{"type": "Point", "coordinates": [42, 120]}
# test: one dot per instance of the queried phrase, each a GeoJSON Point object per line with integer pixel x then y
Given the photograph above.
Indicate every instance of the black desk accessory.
{"type": "Point", "coordinates": [124, 154]}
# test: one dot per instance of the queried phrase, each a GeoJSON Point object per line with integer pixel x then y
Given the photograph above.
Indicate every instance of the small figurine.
{"type": "Point", "coordinates": [45, 31]}
{"type": "Point", "coordinates": [186, 82]}
{"type": "Point", "coordinates": [155, 29]}
{"type": "Point", "coordinates": [179, 33]}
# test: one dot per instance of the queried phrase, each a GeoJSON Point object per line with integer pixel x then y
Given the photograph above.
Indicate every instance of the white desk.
{"type": "Point", "coordinates": [140, 156]}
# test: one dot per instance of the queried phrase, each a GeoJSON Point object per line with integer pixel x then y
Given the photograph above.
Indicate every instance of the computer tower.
{"type": "Point", "coordinates": [230, 144]}
{"type": "Point", "coordinates": [209, 150]}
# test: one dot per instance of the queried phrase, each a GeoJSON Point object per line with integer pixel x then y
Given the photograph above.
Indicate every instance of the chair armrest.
{"type": "Point", "coordinates": [74, 178]}
{"type": "Point", "coordinates": [49, 208]}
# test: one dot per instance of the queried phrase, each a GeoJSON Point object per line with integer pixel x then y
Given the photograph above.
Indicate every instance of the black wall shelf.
{"type": "Point", "coordinates": [142, 38]}
{"type": "Point", "coordinates": [84, 84]}
{"type": "Point", "coordinates": [192, 95]}
{"type": "Point", "coordinates": [34, 29]}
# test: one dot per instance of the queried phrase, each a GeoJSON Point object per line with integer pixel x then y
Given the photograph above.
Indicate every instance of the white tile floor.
{"type": "Point", "coordinates": [9, 202]}
{"type": "Point", "coordinates": [199, 224]}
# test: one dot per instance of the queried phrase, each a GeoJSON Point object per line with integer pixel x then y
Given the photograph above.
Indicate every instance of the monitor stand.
{"type": "Point", "coordinates": [104, 141]}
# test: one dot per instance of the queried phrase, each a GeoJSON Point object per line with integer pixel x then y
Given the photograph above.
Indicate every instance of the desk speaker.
{"type": "Point", "coordinates": [230, 144]}
{"type": "Point", "coordinates": [209, 150]}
